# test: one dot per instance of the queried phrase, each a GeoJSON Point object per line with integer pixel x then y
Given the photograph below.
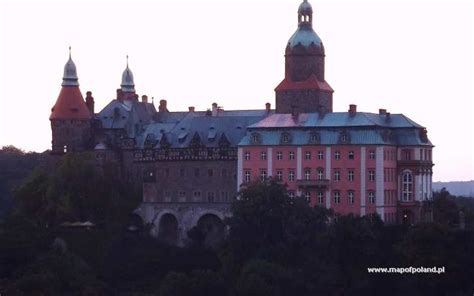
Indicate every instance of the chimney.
{"type": "Point", "coordinates": [214, 109]}
{"type": "Point", "coordinates": [119, 94]}
{"type": "Point", "coordinates": [268, 107]}
{"type": "Point", "coordinates": [144, 99]}
{"type": "Point", "coordinates": [162, 107]}
{"type": "Point", "coordinates": [352, 109]}
{"type": "Point", "coordinates": [387, 116]}
{"type": "Point", "coordinates": [191, 109]}
{"type": "Point", "coordinates": [90, 102]}
{"type": "Point", "coordinates": [382, 111]}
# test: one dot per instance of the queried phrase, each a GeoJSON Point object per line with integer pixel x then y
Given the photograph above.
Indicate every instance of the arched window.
{"type": "Point", "coordinates": [407, 186]}
{"type": "Point", "coordinates": [307, 174]}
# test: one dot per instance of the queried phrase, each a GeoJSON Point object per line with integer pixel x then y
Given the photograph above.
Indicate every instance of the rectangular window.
{"type": "Point", "coordinates": [263, 155]}
{"type": "Point", "coordinates": [182, 172]}
{"type": "Point", "coordinates": [291, 176]}
{"type": "Point", "coordinates": [263, 175]}
{"type": "Point", "coordinates": [307, 196]}
{"type": "Point", "coordinates": [307, 174]}
{"type": "Point", "coordinates": [291, 155]}
{"type": "Point", "coordinates": [167, 172]}
{"type": "Point", "coordinates": [247, 176]}
{"type": "Point", "coordinates": [196, 172]}
{"type": "Point", "coordinates": [210, 172]}
{"type": "Point", "coordinates": [320, 197]}
{"type": "Point", "coordinates": [291, 194]}
{"type": "Point", "coordinates": [279, 155]}
{"type": "Point", "coordinates": [182, 196]}
{"type": "Point", "coordinates": [371, 196]}
{"type": "Point", "coordinates": [337, 155]}
{"type": "Point", "coordinates": [350, 197]}
{"type": "Point", "coordinates": [320, 174]}
{"type": "Point", "coordinates": [351, 155]}
{"type": "Point", "coordinates": [372, 175]}
{"type": "Point", "coordinates": [279, 175]}
{"type": "Point", "coordinates": [350, 175]}
{"type": "Point", "coordinates": [211, 196]}
{"type": "Point", "coordinates": [197, 196]}
{"type": "Point", "coordinates": [247, 155]}
{"type": "Point", "coordinates": [337, 175]}
{"type": "Point", "coordinates": [320, 155]}
{"type": "Point", "coordinates": [307, 155]}
{"type": "Point", "coordinates": [167, 196]}
{"type": "Point", "coordinates": [224, 196]}
{"type": "Point", "coordinates": [337, 197]}
{"type": "Point", "coordinates": [371, 154]}
{"type": "Point", "coordinates": [224, 173]}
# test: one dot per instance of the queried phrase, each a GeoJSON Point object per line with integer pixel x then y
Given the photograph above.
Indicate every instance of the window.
{"type": "Point", "coordinates": [196, 172]}
{"type": "Point", "coordinates": [320, 197]}
{"type": "Point", "coordinates": [407, 154]}
{"type": "Point", "coordinates": [279, 175]}
{"type": "Point", "coordinates": [224, 196]}
{"type": "Point", "coordinates": [285, 138]}
{"type": "Point", "coordinates": [337, 155]}
{"type": "Point", "coordinates": [255, 138]}
{"type": "Point", "coordinates": [307, 174]}
{"type": "Point", "coordinates": [182, 196]}
{"type": "Point", "coordinates": [350, 197]}
{"type": "Point", "coordinates": [407, 186]}
{"type": "Point", "coordinates": [263, 155]}
{"type": "Point", "coordinates": [182, 172]}
{"type": "Point", "coordinates": [224, 173]}
{"type": "Point", "coordinates": [247, 176]}
{"type": "Point", "coordinates": [307, 196]}
{"type": "Point", "coordinates": [291, 194]}
{"type": "Point", "coordinates": [320, 155]}
{"type": "Point", "coordinates": [371, 197]}
{"type": "Point", "coordinates": [279, 155]}
{"type": "Point", "coordinates": [371, 154]}
{"type": "Point", "coordinates": [167, 172]}
{"type": "Point", "coordinates": [291, 155]}
{"type": "Point", "coordinates": [247, 155]}
{"type": "Point", "coordinates": [263, 175]}
{"type": "Point", "coordinates": [350, 175]}
{"type": "Point", "coordinates": [65, 148]}
{"type": "Point", "coordinates": [167, 196]}
{"type": "Point", "coordinates": [211, 196]}
{"type": "Point", "coordinates": [351, 155]}
{"type": "Point", "coordinates": [320, 174]}
{"type": "Point", "coordinates": [210, 172]}
{"type": "Point", "coordinates": [314, 138]}
{"type": "Point", "coordinates": [291, 176]}
{"type": "Point", "coordinates": [307, 155]}
{"type": "Point", "coordinates": [337, 175]}
{"type": "Point", "coordinates": [371, 175]}
{"type": "Point", "coordinates": [337, 197]}
{"type": "Point", "coordinates": [197, 196]}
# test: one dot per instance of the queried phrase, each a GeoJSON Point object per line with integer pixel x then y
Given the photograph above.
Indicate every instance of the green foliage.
{"type": "Point", "coordinates": [199, 282]}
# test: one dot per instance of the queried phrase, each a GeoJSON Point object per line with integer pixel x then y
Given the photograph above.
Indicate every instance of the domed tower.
{"type": "Point", "coordinates": [71, 119]}
{"type": "Point", "coordinates": [127, 87]}
{"type": "Point", "coordinates": [304, 88]}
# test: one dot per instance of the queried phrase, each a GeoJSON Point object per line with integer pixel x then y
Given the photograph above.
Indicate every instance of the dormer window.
{"type": "Point", "coordinates": [314, 138]}
{"type": "Point", "coordinates": [344, 137]}
{"type": "Point", "coordinates": [285, 138]}
{"type": "Point", "coordinates": [65, 148]}
{"type": "Point", "coordinates": [255, 138]}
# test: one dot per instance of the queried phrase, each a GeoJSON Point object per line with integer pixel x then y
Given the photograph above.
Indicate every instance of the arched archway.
{"type": "Point", "coordinates": [168, 229]}
{"type": "Point", "coordinates": [213, 229]}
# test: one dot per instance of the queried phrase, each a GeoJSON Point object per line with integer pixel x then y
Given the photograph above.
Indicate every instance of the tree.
{"type": "Point", "coordinates": [445, 210]}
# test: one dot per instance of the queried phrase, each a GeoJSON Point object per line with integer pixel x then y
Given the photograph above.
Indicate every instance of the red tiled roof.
{"type": "Point", "coordinates": [70, 105]}
{"type": "Point", "coordinates": [311, 83]}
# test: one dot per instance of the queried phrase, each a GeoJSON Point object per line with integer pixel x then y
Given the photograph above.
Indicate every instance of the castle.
{"type": "Point", "coordinates": [192, 163]}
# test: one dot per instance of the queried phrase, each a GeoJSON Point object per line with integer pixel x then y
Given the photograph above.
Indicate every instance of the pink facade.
{"type": "Point", "coordinates": [350, 179]}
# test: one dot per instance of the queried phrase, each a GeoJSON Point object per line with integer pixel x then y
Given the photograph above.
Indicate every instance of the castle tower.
{"type": "Point", "coordinates": [71, 120]}
{"type": "Point", "coordinates": [304, 88]}
{"type": "Point", "coordinates": [127, 87]}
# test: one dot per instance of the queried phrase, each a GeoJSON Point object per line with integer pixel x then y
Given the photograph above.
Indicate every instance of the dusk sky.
{"type": "Point", "coordinates": [411, 57]}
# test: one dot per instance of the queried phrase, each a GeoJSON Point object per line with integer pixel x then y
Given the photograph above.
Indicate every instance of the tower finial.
{"type": "Point", "coordinates": [69, 51]}
{"type": "Point", "coordinates": [127, 60]}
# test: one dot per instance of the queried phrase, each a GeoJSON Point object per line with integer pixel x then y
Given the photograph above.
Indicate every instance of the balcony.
{"type": "Point", "coordinates": [415, 163]}
{"type": "Point", "coordinates": [313, 183]}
